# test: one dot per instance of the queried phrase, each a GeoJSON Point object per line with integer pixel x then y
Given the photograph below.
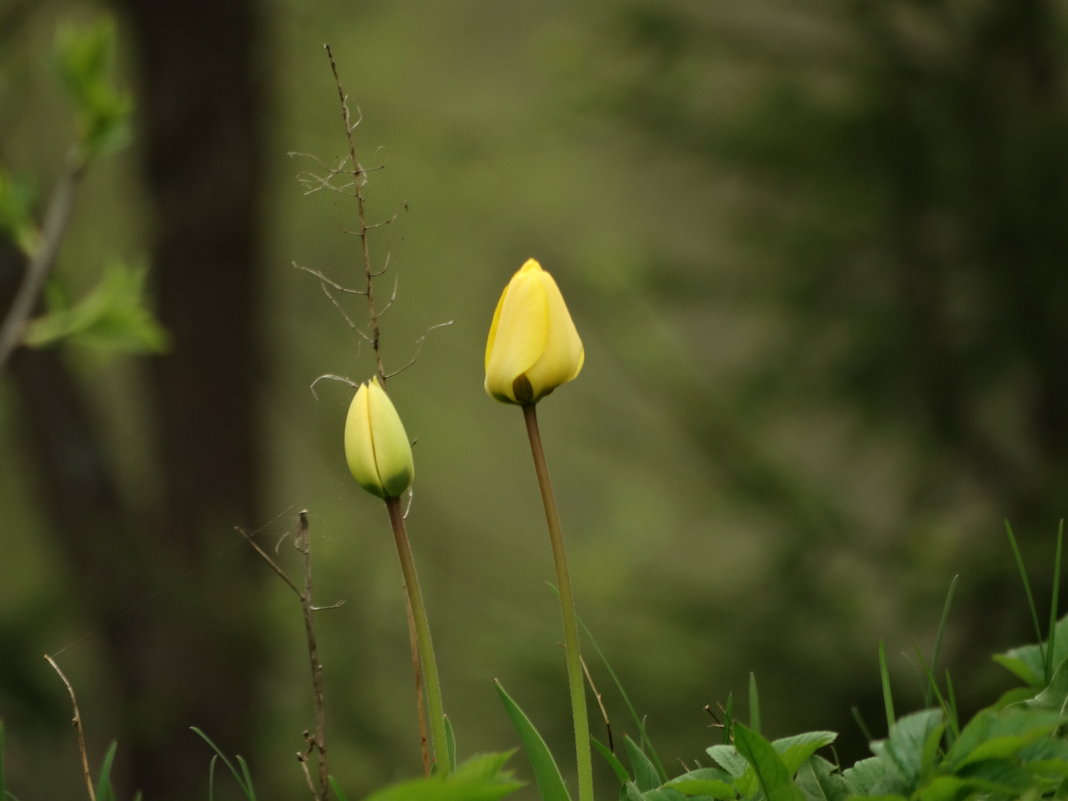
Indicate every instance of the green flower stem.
{"type": "Point", "coordinates": [429, 662]}
{"type": "Point", "coordinates": [583, 759]}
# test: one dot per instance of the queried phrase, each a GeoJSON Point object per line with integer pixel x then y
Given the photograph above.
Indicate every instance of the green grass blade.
{"type": "Point", "coordinates": [1027, 589]}
{"type": "Point", "coordinates": [242, 777]}
{"type": "Point", "coordinates": [770, 770]}
{"type": "Point", "coordinates": [888, 697]}
{"type": "Point", "coordinates": [104, 790]}
{"type": "Point", "coordinates": [947, 703]}
{"type": "Point", "coordinates": [864, 730]}
{"type": "Point", "coordinates": [546, 773]}
{"type": "Point", "coordinates": [1051, 647]}
{"type": "Point", "coordinates": [728, 720]}
{"type": "Point", "coordinates": [754, 704]}
{"type": "Point", "coordinates": [211, 777]}
{"type": "Point", "coordinates": [613, 761]}
{"type": "Point", "coordinates": [338, 793]}
{"type": "Point", "coordinates": [938, 637]}
{"type": "Point", "coordinates": [450, 743]}
{"type": "Point", "coordinates": [638, 720]}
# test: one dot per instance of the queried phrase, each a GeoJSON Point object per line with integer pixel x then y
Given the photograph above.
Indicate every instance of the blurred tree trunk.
{"type": "Point", "coordinates": [199, 101]}
{"type": "Point", "coordinates": [187, 657]}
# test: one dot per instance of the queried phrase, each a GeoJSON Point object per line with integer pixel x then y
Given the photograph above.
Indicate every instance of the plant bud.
{"type": "Point", "coordinates": [533, 346]}
{"type": "Point", "coordinates": [376, 445]}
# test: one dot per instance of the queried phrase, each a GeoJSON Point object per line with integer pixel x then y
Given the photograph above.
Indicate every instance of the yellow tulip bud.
{"type": "Point", "coordinates": [376, 445]}
{"type": "Point", "coordinates": [533, 346]}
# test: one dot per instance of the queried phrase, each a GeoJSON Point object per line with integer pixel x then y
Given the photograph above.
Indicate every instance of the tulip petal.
{"type": "Point", "coordinates": [519, 332]}
{"type": "Point", "coordinates": [564, 355]}
{"type": "Point", "coordinates": [359, 447]}
{"type": "Point", "coordinates": [376, 445]}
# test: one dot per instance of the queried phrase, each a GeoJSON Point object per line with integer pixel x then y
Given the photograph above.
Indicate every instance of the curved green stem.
{"type": "Point", "coordinates": [435, 708]}
{"type": "Point", "coordinates": [583, 758]}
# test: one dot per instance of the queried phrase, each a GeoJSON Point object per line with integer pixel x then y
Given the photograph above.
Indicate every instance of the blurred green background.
{"type": "Point", "coordinates": [816, 254]}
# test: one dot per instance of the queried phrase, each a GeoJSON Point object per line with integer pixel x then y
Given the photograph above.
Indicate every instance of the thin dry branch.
{"type": "Point", "coordinates": [78, 728]}
{"type": "Point", "coordinates": [419, 347]}
{"type": "Point", "coordinates": [323, 278]}
{"type": "Point", "coordinates": [363, 231]}
{"type": "Point", "coordinates": [331, 377]}
{"type": "Point", "coordinates": [316, 744]}
{"type": "Point", "coordinates": [600, 703]}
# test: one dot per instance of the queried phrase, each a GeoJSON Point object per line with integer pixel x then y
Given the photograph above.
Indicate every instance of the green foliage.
{"type": "Point", "coordinates": [104, 790]}
{"type": "Point", "coordinates": [16, 217]}
{"type": "Point", "coordinates": [546, 773]}
{"type": "Point", "coordinates": [480, 778]}
{"type": "Point", "coordinates": [241, 773]}
{"type": "Point", "coordinates": [112, 315]}
{"type": "Point", "coordinates": [83, 57]}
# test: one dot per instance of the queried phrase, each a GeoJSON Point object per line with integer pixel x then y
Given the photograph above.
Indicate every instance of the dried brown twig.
{"type": "Point", "coordinates": [314, 743]}
{"type": "Point", "coordinates": [78, 728]}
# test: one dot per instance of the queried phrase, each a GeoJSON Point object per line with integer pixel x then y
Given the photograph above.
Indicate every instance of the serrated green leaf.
{"type": "Point", "coordinates": [727, 757]}
{"type": "Point", "coordinates": [795, 750]}
{"type": "Point", "coordinates": [1055, 696]}
{"type": "Point", "coordinates": [547, 776]}
{"type": "Point", "coordinates": [645, 775]}
{"type": "Point", "coordinates": [775, 780]}
{"type": "Point", "coordinates": [112, 315]}
{"type": "Point", "coordinates": [819, 780]}
{"type": "Point", "coordinates": [480, 778]}
{"type": "Point", "coordinates": [908, 742]}
{"type": "Point", "coordinates": [993, 735]}
{"type": "Point", "coordinates": [944, 788]}
{"type": "Point", "coordinates": [482, 766]}
{"type": "Point", "coordinates": [875, 776]}
{"type": "Point", "coordinates": [1027, 661]}
{"type": "Point", "coordinates": [710, 782]}
{"type": "Point", "coordinates": [1019, 667]}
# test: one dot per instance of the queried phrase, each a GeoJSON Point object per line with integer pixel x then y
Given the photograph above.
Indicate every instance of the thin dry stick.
{"type": "Point", "coordinates": [316, 743]}
{"type": "Point", "coordinates": [362, 231]}
{"type": "Point", "coordinates": [77, 721]}
{"type": "Point", "coordinates": [600, 704]}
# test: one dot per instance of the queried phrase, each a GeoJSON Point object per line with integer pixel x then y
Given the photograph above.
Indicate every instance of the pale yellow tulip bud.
{"type": "Point", "coordinates": [376, 445]}
{"type": "Point", "coordinates": [533, 346]}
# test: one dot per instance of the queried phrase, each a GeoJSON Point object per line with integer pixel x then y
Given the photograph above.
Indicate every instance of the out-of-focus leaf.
{"type": "Point", "coordinates": [83, 55]}
{"type": "Point", "coordinates": [16, 219]}
{"type": "Point", "coordinates": [992, 735]}
{"type": "Point", "coordinates": [819, 780]}
{"type": "Point", "coordinates": [112, 315]}
{"type": "Point", "coordinates": [711, 782]}
{"type": "Point", "coordinates": [1028, 661]}
{"type": "Point", "coordinates": [480, 778]}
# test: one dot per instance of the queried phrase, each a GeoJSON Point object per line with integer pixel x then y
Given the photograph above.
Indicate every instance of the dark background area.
{"type": "Point", "coordinates": [816, 257]}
